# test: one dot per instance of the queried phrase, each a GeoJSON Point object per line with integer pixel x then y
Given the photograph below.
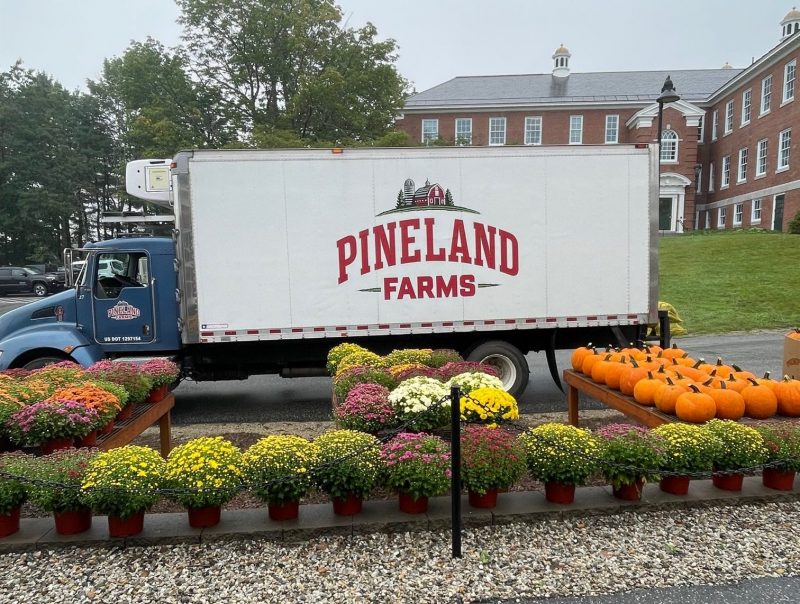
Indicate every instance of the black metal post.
{"type": "Point", "coordinates": [455, 469]}
{"type": "Point", "coordinates": [664, 328]}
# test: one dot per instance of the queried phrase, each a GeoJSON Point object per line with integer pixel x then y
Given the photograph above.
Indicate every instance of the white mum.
{"type": "Point", "coordinates": [473, 380]}
{"type": "Point", "coordinates": [418, 394]}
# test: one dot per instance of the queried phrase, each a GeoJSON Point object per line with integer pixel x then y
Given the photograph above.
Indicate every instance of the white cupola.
{"type": "Point", "coordinates": [561, 62]}
{"type": "Point", "coordinates": [727, 66]}
{"type": "Point", "coordinates": [790, 23]}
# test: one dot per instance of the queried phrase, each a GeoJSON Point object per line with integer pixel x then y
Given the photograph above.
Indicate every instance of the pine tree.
{"type": "Point", "coordinates": [448, 198]}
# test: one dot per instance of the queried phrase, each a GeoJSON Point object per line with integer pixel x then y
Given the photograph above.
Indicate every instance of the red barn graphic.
{"type": "Point", "coordinates": [429, 195]}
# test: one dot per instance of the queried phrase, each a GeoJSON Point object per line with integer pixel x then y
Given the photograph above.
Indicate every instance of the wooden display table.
{"type": "Point", "coordinates": [144, 416]}
{"type": "Point", "coordinates": [577, 382]}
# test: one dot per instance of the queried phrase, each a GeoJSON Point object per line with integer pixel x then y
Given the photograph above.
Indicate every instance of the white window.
{"type": "Point", "coordinates": [784, 145]}
{"type": "Point", "coordinates": [711, 177]}
{"type": "Point", "coordinates": [729, 117]}
{"type": "Point", "coordinates": [725, 179]}
{"type": "Point", "coordinates": [708, 219]}
{"type": "Point", "coordinates": [612, 129]}
{"type": "Point", "coordinates": [714, 125]}
{"type": "Point", "coordinates": [533, 130]}
{"type": "Point", "coordinates": [788, 81]}
{"type": "Point", "coordinates": [699, 179]}
{"type": "Point", "coordinates": [669, 146]}
{"type": "Point", "coordinates": [430, 131]}
{"type": "Point", "coordinates": [575, 129]}
{"type": "Point", "coordinates": [463, 131]}
{"type": "Point", "coordinates": [701, 130]}
{"type": "Point", "coordinates": [497, 131]}
{"type": "Point", "coordinates": [755, 213]}
{"type": "Point", "coordinates": [742, 175]}
{"type": "Point", "coordinates": [738, 210]}
{"type": "Point", "coordinates": [761, 158]}
{"type": "Point", "coordinates": [766, 94]}
{"type": "Point", "coordinates": [722, 215]}
{"type": "Point", "coordinates": [747, 97]}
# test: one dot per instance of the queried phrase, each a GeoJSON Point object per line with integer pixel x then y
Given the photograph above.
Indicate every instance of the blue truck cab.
{"type": "Point", "coordinates": [125, 312]}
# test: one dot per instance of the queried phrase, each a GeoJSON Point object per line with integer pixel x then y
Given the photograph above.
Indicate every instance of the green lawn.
{"type": "Point", "coordinates": [732, 281]}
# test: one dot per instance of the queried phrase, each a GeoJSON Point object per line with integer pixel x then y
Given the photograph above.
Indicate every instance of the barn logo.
{"type": "Point", "coordinates": [413, 240]}
{"type": "Point", "coordinates": [123, 311]}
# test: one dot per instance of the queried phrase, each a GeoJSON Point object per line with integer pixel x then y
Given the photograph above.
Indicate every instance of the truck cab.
{"type": "Point", "coordinates": [122, 304]}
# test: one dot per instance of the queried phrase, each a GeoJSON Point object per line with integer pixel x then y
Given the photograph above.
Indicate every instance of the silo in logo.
{"type": "Point", "coordinates": [122, 311]}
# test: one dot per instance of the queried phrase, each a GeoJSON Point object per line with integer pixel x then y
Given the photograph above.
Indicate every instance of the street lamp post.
{"type": "Point", "coordinates": [668, 95]}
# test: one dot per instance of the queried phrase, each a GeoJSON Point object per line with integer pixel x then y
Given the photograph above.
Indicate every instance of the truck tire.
{"type": "Point", "coordinates": [508, 360]}
{"type": "Point", "coordinates": [40, 362]}
{"type": "Point", "coordinates": [39, 289]}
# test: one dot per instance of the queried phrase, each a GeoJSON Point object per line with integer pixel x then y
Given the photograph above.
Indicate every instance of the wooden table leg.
{"type": "Point", "coordinates": [572, 405]}
{"type": "Point", "coordinates": [165, 433]}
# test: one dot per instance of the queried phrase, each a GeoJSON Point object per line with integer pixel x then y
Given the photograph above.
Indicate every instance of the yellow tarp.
{"type": "Point", "coordinates": [676, 327]}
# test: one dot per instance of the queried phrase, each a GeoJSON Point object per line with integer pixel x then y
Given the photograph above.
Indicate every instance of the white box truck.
{"type": "Point", "coordinates": [278, 255]}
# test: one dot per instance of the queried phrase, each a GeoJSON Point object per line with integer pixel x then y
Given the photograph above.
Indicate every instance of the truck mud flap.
{"type": "Point", "coordinates": [550, 354]}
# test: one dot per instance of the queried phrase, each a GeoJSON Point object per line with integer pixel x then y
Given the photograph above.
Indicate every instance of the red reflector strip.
{"type": "Point", "coordinates": [469, 322]}
{"type": "Point", "coordinates": [572, 318]}
{"type": "Point", "coordinates": [592, 318]}
{"type": "Point", "coordinates": [252, 332]}
{"type": "Point", "coordinates": [319, 329]}
{"type": "Point", "coordinates": [405, 325]}
{"type": "Point", "coordinates": [363, 327]}
{"type": "Point", "coordinates": [510, 321]}
{"type": "Point", "coordinates": [297, 330]}
{"type": "Point", "coordinates": [230, 333]}
{"type": "Point", "coordinates": [447, 324]}
{"type": "Point", "coordinates": [633, 316]}
{"type": "Point", "coordinates": [530, 320]}
{"type": "Point", "coordinates": [551, 320]}
{"type": "Point", "coordinates": [341, 328]}
{"type": "Point", "coordinates": [489, 322]}
{"type": "Point", "coordinates": [274, 330]}
{"type": "Point", "coordinates": [612, 317]}
{"type": "Point", "coordinates": [426, 324]}
{"type": "Point", "coordinates": [383, 326]}
{"type": "Point", "coordinates": [206, 333]}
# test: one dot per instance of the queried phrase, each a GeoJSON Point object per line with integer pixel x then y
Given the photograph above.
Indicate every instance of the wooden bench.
{"type": "Point", "coordinates": [144, 416]}
{"type": "Point", "coordinates": [579, 383]}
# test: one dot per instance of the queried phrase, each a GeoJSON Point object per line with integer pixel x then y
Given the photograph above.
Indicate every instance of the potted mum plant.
{"type": "Point", "coordinates": [162, 373]}
{"type": "Point", "coordinates": [57, 488]}
{"type": "Point", "coordinates": [338, 352]}
{"type": "Point", "coordinates": [738, 449]}
{"type": "Point", "coordinates": [782, 441]}
{"type": "Point", "coordinates": [127, 375]}
{"type": "Point", "coordinates": [685, 449]}
{"type": "Point", "coordinates": [366, 409]}
{"type": "Point", "coordinates": [7, 409]}
{"type": "Point", "coordinates": [104, 397]}
{"type": "Point", "coordinates": [472, 380]}
{"type": "Point", "coordinates": [489, 405]}
{"type": "Point", "coordinates": [422, 403]}
{"type": "Point", "coordinates": [349, 378]}
{"type": "Point", "coordinates": [12, 492]}
{"type": "Point", "coordinates": [123, 483]}
{"type": "Point", "coordinates": [491, 459]}
{"type": "Point", "coordinates": [562, 457]}
{"type": "Point", "coordinates": [418, 467]}
{"type": "Point", "coordinates": [205, 474]}
{"type": "Point", "coordinates": [348, 468]}
{"type": "Point", "coordinates": [630, 457]}
{"type": "Point", "coordinates": [278, 469]}
{"type": "Point", "coordinates": [52, 425]}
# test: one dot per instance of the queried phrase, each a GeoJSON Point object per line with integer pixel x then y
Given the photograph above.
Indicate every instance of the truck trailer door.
{"type": "Point", "coordinates": [122, 298]}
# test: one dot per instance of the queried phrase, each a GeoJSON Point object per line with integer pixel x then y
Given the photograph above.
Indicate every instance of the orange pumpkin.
{"type": "Point", "coordinates": [674, 352]}
{"type": "Point", "coordinates": [695, 407]}
{"type": "Point", "coordinates": [626, 386]}
{"type": "Point", "coordinates": [768, 382]}
{"type": "Point", "coordinates": [579, 353]}
{"type": "Point", "coordinates": [794, 334]}
{"type": "Point", "coordinates": [692, 372]}
{"type": "Point", "coordinates": [788, 393]}
{"type": "Point", "coordinates": [760, 401]}
{"type": "Point", "coordinates": [730, 404]}
{"type": "Point", "coordinates": [598, 374]}
{"type": "Point", "coordinates": [685, 360]}
{"type": "Point", "coordinates": [614, 373]}
{"type": "Point", "coordinates": [589, 360]}
{"type": "Point", "coordinates": [740, 374]}
{"type": "Point", "coordinates": [732, 383]}
{"type": "Point", "coordinates": [667, 395]}
{"type": "Point", "coordinates": [721, 369]}
{"type": "Point", "coordinates": [644, 391]}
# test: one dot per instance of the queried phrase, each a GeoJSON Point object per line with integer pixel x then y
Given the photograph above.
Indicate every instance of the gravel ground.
{"type": "Point", "coordinates": [558, 557]}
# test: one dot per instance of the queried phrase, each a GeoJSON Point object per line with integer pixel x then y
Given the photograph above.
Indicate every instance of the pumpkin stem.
{"type": "Point", "coordinates": [650, 375]}
{"type": "Point", "coordinates": [699, 362]}
{"type": "Point", "coordinates": [719, 362]}
{"type": "Point", "coordinates": [694, 388]}
{"type": "Point", "coordinates": [722, 385]}
{"type": "Point", "coordinates": [766, 375]}
{"type": "Point", "coordinates": [678, 373]}
{"type": "Point", "coordinates": [753, 382]}
{"type": "Point", "coordinates": [634, 363]}
{"type": "Point", "coordinates": [736, 367]}
{"type": "Point", "coordinates": [670, 382]}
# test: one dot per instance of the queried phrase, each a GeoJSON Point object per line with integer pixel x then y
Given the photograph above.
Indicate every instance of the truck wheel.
{"type": "Point", "coordinates": [39, 290]}
{"type": "Point", "coordinates": [508, 360]}
{"type": "Point", "coordinates": [40, 362]}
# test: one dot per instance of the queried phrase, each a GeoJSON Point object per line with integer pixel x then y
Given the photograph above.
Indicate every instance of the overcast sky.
{"type": "Point", "coordinates": [438, 39]}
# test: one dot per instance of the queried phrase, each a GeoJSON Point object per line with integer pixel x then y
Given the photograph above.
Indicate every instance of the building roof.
{"type": "Point", "coordinates": [531, 89]}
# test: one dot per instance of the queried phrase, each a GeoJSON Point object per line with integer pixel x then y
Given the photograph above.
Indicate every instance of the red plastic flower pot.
{"type": "Point", "coordinates": [9, 523]}
{"type": "Point", "coordinates": [126, 527]}
{"type": "Point", "coordinates": [73, 521]}
{"type": "Point", "coordinates": [125, 413]}
{"type": "Point", "coordinates": [56, 444]}
{"type": "Point", "coordinates": [409, 505]}
{"type": "Point", "coordinates": [90, 440]}
{"type": "Point", "coordinates": [780, 480]}
{"type": "Point", "coordinates": [559, 492]}
{"type": "Point", "coordinates": [728, 482]}
{"type": "Point", "coordinates": [288, 510]}
{"type": "Point", "coordinates": [107, 428]}
{"type": "Point", "coordinates": [347, 506]}
{"type": "Point", "coordinates": [204, 517]}
{"type": "Point", "coordinates": [675, 485]}
{"type": "Point", "coordinates": [156, 394]}
{"type": "Point", "coordinates": [487, 500]}
{"type": "Point", "coordinates": [629, 492]}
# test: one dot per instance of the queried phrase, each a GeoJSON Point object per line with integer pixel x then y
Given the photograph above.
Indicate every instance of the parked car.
{"type": "Point", "coordinates": [108, 267]}
{"type": "Point", "coordinates": [19, 280]}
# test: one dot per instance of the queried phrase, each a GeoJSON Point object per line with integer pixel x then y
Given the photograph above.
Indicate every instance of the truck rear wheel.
{"type": "Point", "coordinates": [508, 360]}
{"type": "Point", "coordinates": [40, 362]}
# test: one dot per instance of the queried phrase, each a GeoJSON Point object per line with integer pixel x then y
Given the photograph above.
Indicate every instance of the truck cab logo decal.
{"type": "Point", "coordinates": [122, 311]}
{"type": "Point", "coordinates": [419, 240]}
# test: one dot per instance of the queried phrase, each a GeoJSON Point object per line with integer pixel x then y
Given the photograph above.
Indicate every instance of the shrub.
{"type": "Point", "coordinates": [491, 458]}
{"type": "Point", "coordinates": [561, 453]}
{"type": "Point", "coordinates": [794, 224]}
{"type": "Point", "coordinates": [366, 408]}
{"type": "Point", "coordinates": [348, 462]}
{"type": "Point", "coordinates": [205, 472]}
{"type": "Point", "coordinates": [279, 467]}
{"type": "Point", "coordinates": [422, 403]}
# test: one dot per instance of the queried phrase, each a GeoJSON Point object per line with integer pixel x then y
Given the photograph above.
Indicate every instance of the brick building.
{"type": "Point", "coordinates": [726, 144]}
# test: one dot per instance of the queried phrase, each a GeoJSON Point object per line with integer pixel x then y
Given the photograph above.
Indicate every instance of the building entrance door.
{"type": "Point", "coordinates": [665, 222]}
{"type": "Point", "coordinates": [777, 214]}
